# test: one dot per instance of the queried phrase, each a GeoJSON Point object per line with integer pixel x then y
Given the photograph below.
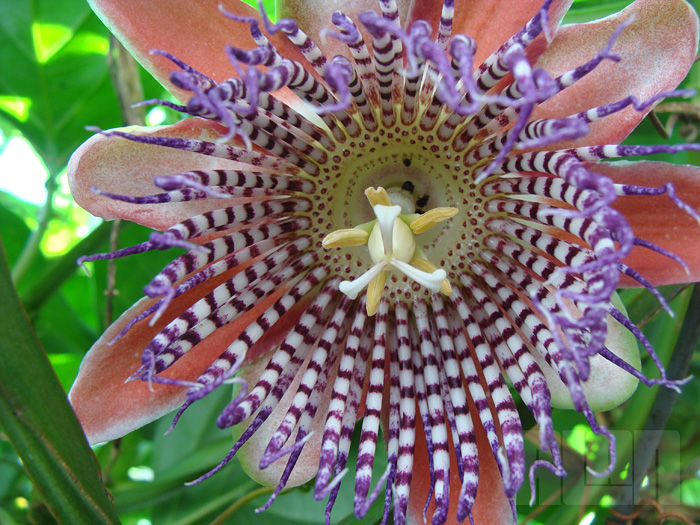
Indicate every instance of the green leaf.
{"type": "Point", "coordinates": [194, 447]}
{"type": "Point", "coordinates": [54, 77]}
{"type": "Point", "coordinates": [586, 10]}
{"type": "Point", "coordinates": [373, 517]}
{"type": "Point", "coordinates": [37, 419]}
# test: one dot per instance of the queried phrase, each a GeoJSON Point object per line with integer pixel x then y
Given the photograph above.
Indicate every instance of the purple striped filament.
{"type": "Point", "coordinates": [521, 302]}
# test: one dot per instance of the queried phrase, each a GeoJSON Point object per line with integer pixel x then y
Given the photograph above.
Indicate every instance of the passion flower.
{"type": "Point", "coordinates": [392, 211]}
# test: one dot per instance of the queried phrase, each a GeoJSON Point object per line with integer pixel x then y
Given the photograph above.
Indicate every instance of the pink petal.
{"type": "Point", "coordinates": [195, 32]}
{"type": "Point", "coordinates": [657, 50]}
{"type": "Point", "coordinates": [108, 408]}
{"type": "Point", "coordinates": [250, 453]}
{"type": "Point", "coordinates": [658, 220]}
{"type": "Point", "coordinates": [491, 506]}
{"type": "Point", "coordinates": [489, 22]}
{"type": "Point", "coordinates": [121, 166]}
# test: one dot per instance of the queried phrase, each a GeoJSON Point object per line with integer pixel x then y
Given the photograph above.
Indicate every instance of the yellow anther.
{"type": "Point", "coordinates": [431, 218]}
{"type": "Point", "coordinates": [345, 238]}
{"type": "Point", "coordinates": [427, 266]}
{"type": "Point", "coordinates": [377, 196]}
{"type": "Point", "coordinates": [374, 293]}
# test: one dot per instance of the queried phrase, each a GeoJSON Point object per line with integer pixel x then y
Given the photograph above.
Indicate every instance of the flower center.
{"type": "Point", "coordinates": [391, 242]}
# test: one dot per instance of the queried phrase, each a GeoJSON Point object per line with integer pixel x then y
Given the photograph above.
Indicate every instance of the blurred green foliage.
{"type": "Point", "coordinates": [55, 80]}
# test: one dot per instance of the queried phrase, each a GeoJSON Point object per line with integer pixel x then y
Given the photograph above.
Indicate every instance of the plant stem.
{"type": "Point", "coordinates": [239, 503]}
{"type": "Point", "coordinates": [111, 273]}
{"type": "Point", "coordinates": [33, 244]}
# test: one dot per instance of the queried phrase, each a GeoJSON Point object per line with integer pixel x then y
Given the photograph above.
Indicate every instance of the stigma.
{"type": "Point", "coordinates": [391, 243]}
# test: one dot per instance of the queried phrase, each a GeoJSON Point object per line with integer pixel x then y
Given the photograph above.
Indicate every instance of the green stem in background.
{"type": "Point", "coordinates": [239, 503]}
{"type": "Point", "coordinates": [111, 272]}
{"type": "Point", "coordinates": [648, 442]}
{"type": "Point", "coordinates": [39, 422]}
{"type": "Point", "coordinates": [33, 245]}
{"type": "Point", "coordinates": [59, 270]}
